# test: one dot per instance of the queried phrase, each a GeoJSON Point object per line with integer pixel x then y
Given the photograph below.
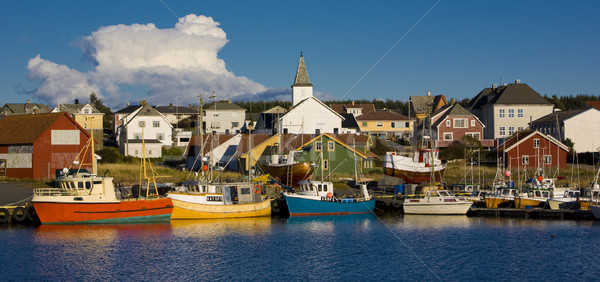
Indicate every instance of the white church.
{"type": "Point", "coordinates": [308, 115]}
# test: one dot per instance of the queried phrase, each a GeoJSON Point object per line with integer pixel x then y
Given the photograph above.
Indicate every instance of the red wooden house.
{"type": "Point", "coordinates": [35, 146]}
{"type": "Point", "coordinates": [532, 149]}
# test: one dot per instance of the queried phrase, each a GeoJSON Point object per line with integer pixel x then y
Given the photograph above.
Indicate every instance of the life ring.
{"type": "Point", "coordinates": [256, 189]}
{"type": "Point", "coordinates": [4, 215]}
{"type": "Point", "coordinates": [329, 195]}
{"type": "Point", "coordinates": [19, 214]}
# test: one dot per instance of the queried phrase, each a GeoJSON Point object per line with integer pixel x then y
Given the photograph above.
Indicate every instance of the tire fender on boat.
{"type": "Point", "coordinates": [4, 215]}
{"type": "Point", "coordinates": [19, 214]}
{"type": "Point", "coordinates": [275, 207]}
{"type": "Point", "coordinates": [31, 214]}
{"type": "Point", "coordinates": [256, 189]}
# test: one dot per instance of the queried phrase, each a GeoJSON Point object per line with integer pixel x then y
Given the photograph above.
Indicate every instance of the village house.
{"type": "Point", "coordinates": [37, 146]}
{"type": "Point", "coordinates": [87, 116]}
{"type": "Point", "coordinates": [223, 117]}
{"type": "Point", "coordinates": [451, 123]}
{"type": "Point", "coordinates": [28, 108]}
{"type": "Point", "coordinates": [267, 120]}
{"type": "Point", "coordinates": [508, 109]}
{"type": "Point", "coordinates": [581, 126]}
{"type": "Point", "coordinates": [175, 114]}
{"type": "Point", "coordinates": [353, 108]}
{"type": "Point", "coordinates": [420, 106]}
{"type": "Point", "coordinates": [531, 150]}
{"type": "Point", "coordinates": [386, 125]}
{"type": "Point", "coordinates": [146, 124]}
{"type": "Point", "coordinates": [309, 115]}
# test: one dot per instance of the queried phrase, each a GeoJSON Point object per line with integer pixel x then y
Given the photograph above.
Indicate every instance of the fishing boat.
{"type": "Point", "coordinates": [84, 197]}
{"type": "Point", "coordinates": [204, 200]}
{"type": "Point", "coordinates": [415, 169]}
{"type": "Point", "coordinates": [432, 200]}
{"type": "Point", "coordinates": [287, 170]}
{"type": "Point", "coordinates": [318, 198]}
{"type": "Point", "coordinates": [539, 190]}
{"type": "Point", "coordinates": [569, 200]}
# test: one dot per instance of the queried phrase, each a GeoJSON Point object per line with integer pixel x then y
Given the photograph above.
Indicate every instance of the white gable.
{"type": "Point", "coordinates": [309, 116]}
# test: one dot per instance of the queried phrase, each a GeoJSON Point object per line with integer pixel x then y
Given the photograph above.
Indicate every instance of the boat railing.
{"type": "Point", "coordinates": [57, 192]}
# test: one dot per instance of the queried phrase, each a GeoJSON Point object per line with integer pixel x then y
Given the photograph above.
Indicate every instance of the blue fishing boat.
{"type": "Point", "coordinates": [318, 198]}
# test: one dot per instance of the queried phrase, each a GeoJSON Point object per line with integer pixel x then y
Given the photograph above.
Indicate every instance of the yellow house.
{"type": "Point", "coordinates": [385, 124]}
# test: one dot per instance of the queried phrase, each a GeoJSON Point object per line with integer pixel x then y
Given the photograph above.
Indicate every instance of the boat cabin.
{"type": "Point", "coordinates": [317, 188]}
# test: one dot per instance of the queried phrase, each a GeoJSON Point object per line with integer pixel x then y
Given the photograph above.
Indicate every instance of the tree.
{"type": "Point", "coordinates": [107, 123]}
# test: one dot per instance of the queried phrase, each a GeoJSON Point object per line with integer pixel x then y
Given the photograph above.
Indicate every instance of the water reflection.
{"type": "Point", "coordinates": [219, 227]}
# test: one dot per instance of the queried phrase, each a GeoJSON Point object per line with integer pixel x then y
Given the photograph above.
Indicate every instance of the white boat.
{"type": "Point", "coordinates": [204, 200]}
{"type": "Point", "coordinates": [441, 202]}
{"type": "Point", "coordinates": [416, 169]}
{"type": "Point", "coordinates": [569, 200]}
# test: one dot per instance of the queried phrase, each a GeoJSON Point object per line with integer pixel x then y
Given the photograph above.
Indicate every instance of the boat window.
{"type": "Point", "coordinates": [545, 194]}
{"type": "Point", "coordinates": [443, 193]}
{"type": "Point", "coordinates": [245, 190]}
{"type": "Point", "coordinates": [325, 187]}
{"type": "Point", "coordinates": [320, 188]}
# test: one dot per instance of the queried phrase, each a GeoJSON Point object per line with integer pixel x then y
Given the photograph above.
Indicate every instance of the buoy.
{"type": "Point", "coordinates": [540, 178]}
{"type": "Point", "coordinates": [4, 215]}
{"type": "Point", "coordinates": [19, 214]}
{"type": "Point", "coordinates": [507, 173]}
{"type": "Point", "coordinates": [256, 188]}
{"type": "Point", "coordinates": [205, 167]}
{"type": "Point", "coordinates": [329, 195]}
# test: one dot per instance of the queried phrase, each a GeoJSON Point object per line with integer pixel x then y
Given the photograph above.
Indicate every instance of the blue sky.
{"type": "Point", "coordinates": [171, 51]}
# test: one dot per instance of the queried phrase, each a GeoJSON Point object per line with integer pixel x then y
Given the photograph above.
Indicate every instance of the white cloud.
{"type": "Point", "coordinates": [175, 62]}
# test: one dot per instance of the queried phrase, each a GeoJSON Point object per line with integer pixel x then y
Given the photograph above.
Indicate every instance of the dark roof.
{"type": "Point", "coordinates": [561, 115]}
{"type": "Point", "coordinates": [341, 108]}
{"type": "Point", "coordinates": [222, 105]}
{"type": "Point", "coordinates": [513, 93]}
{"type": "Point", "coordinates": [24, 129]}
{"type": "Point", "coordinates": [349, 121]}
{"type": "Point", "coordinates": [421, 104]}
{"type": "Point", "coordinates": [209, 141]}
{"type": "Point", "coordinates": [176, 110]}
{"type": "Point", "coordinates": [301, 78]}
{"type": "Point", "coordinates": [523, 134]}
{"type": "Point", "coordinates": [23, 109]}
{"type": "Point", "coordinates": [128, 109]}
{"type": "Point", "coordinates": [382, 115]}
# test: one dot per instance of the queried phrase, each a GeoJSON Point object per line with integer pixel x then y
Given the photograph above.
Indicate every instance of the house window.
{"type": "Point", "coordinates": [325, 164]}
{"type": "Point", "coordinates": [393, 124]}
{"type": "Point", "coordinates": [407, 125]}
{"type": "Point", "coordinates": [216, 124]}
{"type": "Point", "coordinates": [86, 111]}
{"type": "Point", "coordinates": [511, 113]}
{"type": "Point", "coordinates": [142, 123]}
{"type": "Point", "coordinates": [156, 123]}
{"type": "Point", "coordinates": [448, 136]}
{"type": "Point", "coordinates": [548, 159]}
{"type": "Point", "coordinates": [511, 130]}
{"type": "Point", "coordinates": [318, 146]}
{"type": "Point", "coordinates": [501, 113]}
{"type": "Point", "coordinates": [448, 123]}
{"type": "Point", "coordinates": [520, 128]}
{"type": "Point", "coordinates": [137, 136]}
{"type": "Point", "coordinates": [460, 123]}
{"type": "Point", "coordinates": [520, 113]}
{"type": "Point", "coordinates": [235, 124]}
{"type": "Point", "coordinates": [364, 123]}
{"type": "Point", "coordinates": [331, 146]}
{"type": "Point", "coordinates": [379, 124]}
{"type": "Point", "coordinates": [536, 143]}
{"type": "Point", "coordinates": [475, 135]}
{"type": "Point", "coordinates": [135, 153]}
{"type": "Point", "coordinates": [160, 136]}
{"type": "Point", "coordinates": [149, 152]}
{"type": "Point", "coordinates": [472, 123]}
{"type": "Point", "coordinates": [502, 131]}
{"type": "Point", "coordinates": [525, 160]}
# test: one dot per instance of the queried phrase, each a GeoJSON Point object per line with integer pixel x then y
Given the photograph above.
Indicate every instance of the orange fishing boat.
{"type": "Point", "coordinates": [84, 197]}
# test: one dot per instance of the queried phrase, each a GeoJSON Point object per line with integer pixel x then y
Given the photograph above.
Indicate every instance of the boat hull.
{"type": "Point", "coordinates": [496, 202]}
{"type": "Point", "coordinates": [299, 206]}
{"type": "Point", "coordinates": [290, 174]}
{"type": "Point", "coordinates": [571, 204]}
{"type": "Point", "coordinates": [190, 210]}
{"type": "Point", "coordinates": [596, 211]}
{"type": "Point", "coordinates": [125, 211]}
{"type": "Point", "coordinates": [523, 203]}
{"type": "Point", "coordinates": [458, 208]}
{"type": "Point", "coordinates": [409, 171]}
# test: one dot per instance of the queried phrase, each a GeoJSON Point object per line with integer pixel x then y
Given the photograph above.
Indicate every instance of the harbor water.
{"type": "Point", "coordinates": [363, 247]}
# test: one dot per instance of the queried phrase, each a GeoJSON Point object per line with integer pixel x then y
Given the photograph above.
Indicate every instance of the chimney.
{"type": "Point", "coordinates": [170, 105]}
{"type": "Point", "coordinates": [494, 86]}
{"type": "Point", "coordinates": [127, 103]}
{"type": "Point", "coordinates": [352, 102]}
{"type": "Point", "coordinates": [142, 102]}
{"type": "Point", "coordinates": [229, 100]}
{"type": "Point", "coordinates": [517, 81]}
{"type": "Point", "coordinates": [428, 93]}
{"type": "Point", "coordinates": [76, 101]}
{"type": "Point", "coordinates": [27, 101]}
{"type": "Point", "coordinates": [504, 84]}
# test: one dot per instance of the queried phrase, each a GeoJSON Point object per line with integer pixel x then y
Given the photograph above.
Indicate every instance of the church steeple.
{"type": "Point", "coordinates": [302, 88]}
